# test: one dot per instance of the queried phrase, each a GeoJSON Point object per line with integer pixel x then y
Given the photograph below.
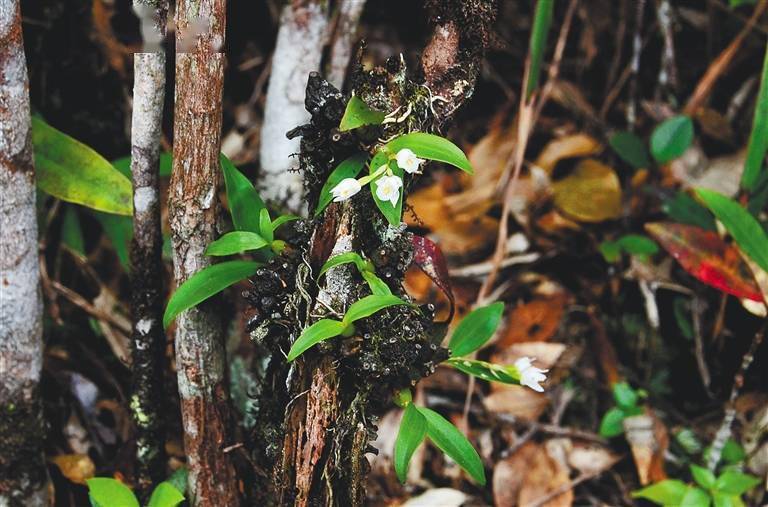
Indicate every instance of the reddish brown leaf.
{"type": "Point", "coordinates": [428, 257]}
{"type": "Point", "coordinates": [707, 257]}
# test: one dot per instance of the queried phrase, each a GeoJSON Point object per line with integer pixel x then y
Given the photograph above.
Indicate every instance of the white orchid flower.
{"type": "Point", "coordinates": [408, 161]}
{"type": "Point", "coordinates": [388, 189]}
{"type": "Point", "coordinates": [345, 189]}
{"type": "Point", "coordinates": [530, 376]}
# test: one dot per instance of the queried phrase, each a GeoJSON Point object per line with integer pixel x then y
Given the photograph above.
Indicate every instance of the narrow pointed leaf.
{"type": "Point", "coordinates": [736, 483]}
{"type": "Point", "coordinates": [346, 258]}
{"type": "Point", "coordinates": [486, 371]}
{"type": "Point", "coordinates": [744, 228]}
{"type": "Point", "coordinates": [370, 305]}
{"type": "Point", "coordinates": [165, 495]}
{"type": "Point", "coordinates": [236, 242]}
{"type": "Point", "coordinates": [71, 171]}
{"type": "Point", "coordinates": [243, 200]}
{"type": "Point", "coordinates": [475, 329]}
{"type": "Point", "coordinates": [119, 230]}
{"type": "Point", "coordinates": [72, 232]}
{"type": "Point", "coordinates": [376, 284]}
{"type": "Point", "coordinates": [358, 114]}
{"type": "Point", "coordinates": [703, 477]}
{"type": "Point", "coordinates": [538, 43]}
{"type": "Point", "coordinates": [283, 219]}
{"type": "Point", "coordinates": [758, 139]}
{"type": "Point", "coordinates": [205, 283]}
{"type": "Point", "coordinates": [707, 258]}
{"type": "Point", "coordinates": [432, 147]}
{"type": "Point", "coordinates": [666, 492]}
{"type": "Point", "coordinates": [108, 492]}
{"type": "Point", "coordinates": [319, 331]}
{"type": "Point", "coordinates": [454, 444]}
{"type": "Point", "coordinates": [413, 429]}
{"type": "Point", "coordinates": [349, 168]}
{"type": "Point", "coordinates": [265, 225]}
{"type": "Point", "coordinates": [670, 139]}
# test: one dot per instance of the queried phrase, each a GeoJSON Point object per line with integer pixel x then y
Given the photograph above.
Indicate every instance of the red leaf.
{"type": "Point", "coordinates": [707, 257]}
{"type": "Point", "coordinates": [429, 258]}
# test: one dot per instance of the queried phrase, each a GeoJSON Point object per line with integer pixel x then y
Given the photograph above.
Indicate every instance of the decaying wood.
{"type": "Point", "coordinates": [148, 336]}
{"type": "Point", "coordinates": [345, 31]}
{"type": "Point", "coordinates": [23, 474]}
{"type": "Point", "coordinates": [200, 355]}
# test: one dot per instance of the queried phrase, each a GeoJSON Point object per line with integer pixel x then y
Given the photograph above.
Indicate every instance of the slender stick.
{"type": "Point", "coordinates": [148, 338]}
{"type": "Point", "coordinates": [200, 354]}
{"type": "Point", "coordinates": [23, 473]}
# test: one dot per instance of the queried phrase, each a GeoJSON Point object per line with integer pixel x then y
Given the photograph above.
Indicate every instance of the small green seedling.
{"type": "Point", "coordinates": [364, 267]}
{"type": "Point", "coordinates": [638, 245]}
{"type": "Point", "coordinates": [627, 400]}
{"type": "Point", "coordinates": [108, 492]}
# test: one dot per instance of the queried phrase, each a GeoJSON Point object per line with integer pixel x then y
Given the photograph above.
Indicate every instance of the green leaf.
{"type": "Point", "coordinates": [631, 149]}
{"type": "Point", "coordinates": [703, 477]}
{"type": "Point", "coordinates": [178, 479]}
{"type": "Point", "coordinates": [236, 242]}
{"type": "Point", "coordinates": [670, 139]}
{"type": "Point", "coordinates": [369, 305]}
{"type": "Point", "coordinates": [454, 444]}
{"type": "Point", "coordinates": [119, 230]}
{"type": "Point", "coordinates": [696, 497]}
{"type": "Point", "coordinates": [758, 139]}
{"type": "Point", "coordinates": [283, 219]}
{"type": "Point", "coordinates": [390, 212]}
{"type": "Point", "coordinates": [73, 172]}
{"type": "Point", "coordinates": [688, 441]}
{"type": "Point", "coordinates": [349, 168]}
{"type": "Point", "coordinates": [108, 492]}
{"type": "Point", "coordinates": [476, 329]}
{"type": "Point", "coordinates": [430, 147]}
{"type": "Point", "coordinates": [346, 258]}
{"type": "Point", "coordinates": [733, 452]}
{"type": "Point", "coordinates": [358, 114]}
{"type": "Point", "coordinates": [625, 396]}
{"type": "Point", "coordinates": [205, 283]}
{"type": "Point", "coordinates": [321, 330]}
{"type": "Point", "coordinates": [413, 429]}
{"type": "Point", "coordinates": [486, 371]}
{"type": "Point", "coordinates": [165, 495]}
{"type": "Point", "coordinates": [685, 209]}
{"type": "Point", "coordinates": [610, 250]}
{"type": "Point", "coordinates": [243, 200]}
{"type": "Point", "coordinates": [612, 424]}
{"type": "Point", "coordinates": [376, 284]}
{"type": "Point", "coordinates": [735, 483]}
{"type": "Point", "coordinates": [744, 228]}
{"type": "Point", "coordinates": [667, 492]}
{"type": "Point", "coordinates": [725, 500]}
{"type": "Point", "coordinates": [72, 233]}
{"type": "Point", "coordinates": [265, 225]}
{"type": "Point", "coordinates": [638, 245]}
{"type": "Point", "coordinates": [541, 23]}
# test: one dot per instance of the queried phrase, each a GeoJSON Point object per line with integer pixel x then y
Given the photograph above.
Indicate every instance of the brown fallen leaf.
{"type": "Point", "coordinates": [509, 474]}
{"type": "Point", "coordinates": [647, 437]}
{"type": "Point", "coordinates": [588, 459]}
{"type": "Point", "coordinates": [591, 193]}
{"type": "Point", "coordinates": [536, 321]}
{"type": "Point", "coordinates": [444, 497]}
{"type": "Point", "coordinates": [545, 474]}
{"type": "Point", "coordinates": [517, 401]}
{"type": "Point", "coordinates": [78, 468]}
{"type": "Point", "coordinates": [571, 146]}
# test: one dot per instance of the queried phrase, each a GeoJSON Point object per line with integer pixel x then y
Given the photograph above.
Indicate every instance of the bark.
{"type": "Point", "coordinates": [23, 474]}
{"type": "Point", "coordinates": [345, 32]}
{"type": "Point", "coordinates": [299, 49]}
{"type": "Point", "coordinates": [148, 339]}
{"type": "Point", "coordinates": [200, 355]}
{"type": "Point", "coordinates": [336, 391]}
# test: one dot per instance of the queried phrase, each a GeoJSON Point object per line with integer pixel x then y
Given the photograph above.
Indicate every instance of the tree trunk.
{"type": "Point", "coordinates": [337, 390]}
{"type": "Point", "coordinates": [200, 354]}
{"type": "Point", "coordinates": [344, 34]}
{"type": "Point", "coordinates": [148, 338]}
{"type": "Point", "coordinates": [299, 49]}
{"type": "Point", "coordinates": [23, 473]}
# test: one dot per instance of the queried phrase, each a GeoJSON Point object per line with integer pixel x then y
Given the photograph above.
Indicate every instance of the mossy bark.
{"type": "Point", "coordinates": [336, 390]}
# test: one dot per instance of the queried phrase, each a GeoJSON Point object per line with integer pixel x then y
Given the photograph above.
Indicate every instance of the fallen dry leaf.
{"type": "Point", "coordinates": [509, 474]}
{"type": "Point", "coordinates": [545, 474]}
{"type": "Point", "coordinates": [707, 257]}
{"type": "Point", "coordinates": [536, 321]}
{"type": "Point", "coordinates": [444, 497]}
{"type": "Point", "coordinates": [517, 401]}
{"type": "Point", "coordinates": [590, 458]}
{"type": "Point", "coordinates": [591, 193]}
{"type": "Point", "coordinates": [571, 146]}
{"type": "Point", "coordinates": [648, 439]}
{"type": "Point", "coordinates": [78, 468]}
